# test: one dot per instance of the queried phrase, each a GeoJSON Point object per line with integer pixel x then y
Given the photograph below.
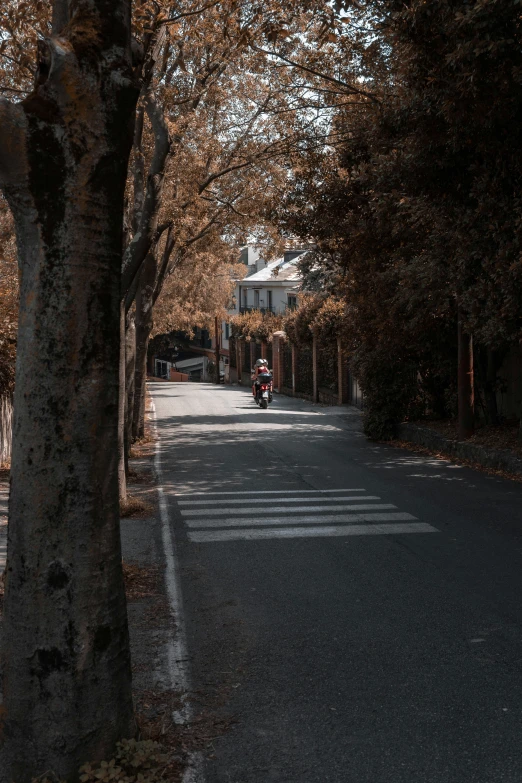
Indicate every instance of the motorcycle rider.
{"type": "Point", "coordinates": [261, 366]}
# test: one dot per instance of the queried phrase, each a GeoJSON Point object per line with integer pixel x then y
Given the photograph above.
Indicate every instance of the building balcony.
{"type": "Point", "coordinates": [249, 308]}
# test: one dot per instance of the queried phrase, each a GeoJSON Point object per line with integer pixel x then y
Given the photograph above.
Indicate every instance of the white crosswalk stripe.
{"type": "Point", "coordinates": [336, 515]}
{"type": "Point", "coordinates": [231, 501]}
{"type": "Point", "coordinates": [310, 520]}
{"type": "Point", "coordinates": [223, 512]}
{"type": "Point", "coordinates": [268, 492]}
{"type": "Point", "coordinates": [205, 536]}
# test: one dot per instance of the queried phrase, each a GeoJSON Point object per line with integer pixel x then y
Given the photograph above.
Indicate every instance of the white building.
{"type": "Point", "coordinates": [269, 287]}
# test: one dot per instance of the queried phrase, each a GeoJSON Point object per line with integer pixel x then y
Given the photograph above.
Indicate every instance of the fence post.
{"type": "Point", "coordinates": [263, 350]}
{"type": "Point", "coordinates": [314, 370]}
{"type": "Point", "coordinates": [294, 367]}
{"type": "Point", "coordinates": [217, 339]}
{"type": "Point", "coordinates": [238, 360]}
{"type": "Point", "coordinates": [252, 353]}
{"type": "Point", "coordinates": [278, 341]}
{"type": "Point", "coordinates": [340, 373]}
{"type": "Point", "coordinates": [239, 353]}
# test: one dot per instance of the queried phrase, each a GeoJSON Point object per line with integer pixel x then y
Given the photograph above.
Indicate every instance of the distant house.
{"type": "Point", "coordinates": [266, 287]}
{"type": "Point", "coordinates": [269, 287]}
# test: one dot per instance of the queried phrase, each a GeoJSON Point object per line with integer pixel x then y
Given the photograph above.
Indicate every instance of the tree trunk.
{"type": "Point", "coordinates": [466, 399]}
{"type": "Point", "coordinates": [491, 387]}
{"type": "Point", "coordinates": [63, 163]}
{"type": "Point", "coordinates": [122, 396]}
{"type": "Point", "coordinates": [143, 330]}
{"type": "Point", "coordinates": [130, 369]}
{"type": "Point", "coordinates": [144, 301]}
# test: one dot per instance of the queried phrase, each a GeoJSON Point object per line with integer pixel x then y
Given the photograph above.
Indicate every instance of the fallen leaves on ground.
{"type": "Point", "coordinates": [403, 444]}
{"type": "Point", "coordinates": [141, 582]}
{"type": "Point", "coordinates": [133, 506]}
{"type": "Point", "coordinates": [503, 436]}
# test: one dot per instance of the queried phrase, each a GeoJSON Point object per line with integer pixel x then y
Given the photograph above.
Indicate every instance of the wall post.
{"type": "Point", "coordinates": [217, 339]}
{"type": "Point", "coordinates": [238, 359]}
{"type": "Point", "coordinates": [314, 370]}
{"type": "Point", "coordinates": [240, 347]}
{"type": "Point", "coordinates": [294, 367]}
{"type": "Point", "coordinates": [341, 383]}
{"type": "Point", "coordinates": [278, 341]}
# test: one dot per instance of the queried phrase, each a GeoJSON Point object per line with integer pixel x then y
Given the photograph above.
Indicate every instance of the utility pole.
{"type": "Point", "coordinates": [217, 341]}
{"type": "Point", "coordinates": [466, 392]}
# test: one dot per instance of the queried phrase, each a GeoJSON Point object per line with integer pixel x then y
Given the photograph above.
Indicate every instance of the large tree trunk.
{"type": "Point", "coordinates": [122, 397]}
{"type": "Point", "coordinates": [63, 163]}
{"type": "Point", "coordinates": [144, 302]}
{"type": "Point", "coordinates": [130, 370]}
{"type": "Point", "coordinates": [143, 329]}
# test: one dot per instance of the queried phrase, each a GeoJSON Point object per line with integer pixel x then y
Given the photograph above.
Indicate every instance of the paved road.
{"type": "Point", "coordinates": [356, 609]}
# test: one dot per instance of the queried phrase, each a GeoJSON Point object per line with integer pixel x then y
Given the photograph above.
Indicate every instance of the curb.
{"type": "Point", "coordinates": [497, 459]}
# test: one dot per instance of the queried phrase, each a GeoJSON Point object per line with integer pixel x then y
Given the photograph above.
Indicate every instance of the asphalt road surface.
{"type": "Point", "coordinates": [353, 611]}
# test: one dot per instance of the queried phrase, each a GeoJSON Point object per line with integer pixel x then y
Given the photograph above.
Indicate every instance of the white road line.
{"type": "Point", "coordinates": [179, 668]}
{"type": "Point", "coordinates": [177, 649]}
{"type": "Point", "coordinates": [267, 492]}
{"type": "Point", "coordinates": [223, 512]}
{"type": "Point", "coordinates": [204, 536]}
{"type": "Point", "coordinates": [245, 501]}
{"type": "Point", "coordinates": [311, 520]}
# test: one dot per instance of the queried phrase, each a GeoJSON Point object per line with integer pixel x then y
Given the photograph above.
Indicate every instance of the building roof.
{"type": "Point", "coordinates": [279, 271]}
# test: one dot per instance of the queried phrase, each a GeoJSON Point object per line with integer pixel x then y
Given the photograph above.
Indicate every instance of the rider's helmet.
{"type": "Point", "coordinates": [261, 363]}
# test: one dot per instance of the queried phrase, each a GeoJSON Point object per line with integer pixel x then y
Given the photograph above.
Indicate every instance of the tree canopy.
{"type": "Point", "coordinates": [415, 206]}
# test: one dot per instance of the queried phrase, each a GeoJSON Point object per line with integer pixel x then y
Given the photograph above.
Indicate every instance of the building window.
{"type": "Point", "coordinates": [292, 302]}
{"type": "Point", "coordinates": [269, 299]}
{"type": "Point", "coordinates": [256, 300]}
{"type": "Point", "coordinates": [245, 297]}
{"type": "Point", "coordinates": [227, 331]}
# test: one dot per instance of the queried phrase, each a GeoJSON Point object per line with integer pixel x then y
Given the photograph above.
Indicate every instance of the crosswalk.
{"type": "Point", "coordinates": [223, 516]}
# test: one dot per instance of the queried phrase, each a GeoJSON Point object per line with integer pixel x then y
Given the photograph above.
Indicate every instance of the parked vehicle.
{"type": "Point", "coordinates": [263, 387]}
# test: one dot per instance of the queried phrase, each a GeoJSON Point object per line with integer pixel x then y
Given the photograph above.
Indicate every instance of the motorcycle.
{"type": "Point", "coordinates": [263, 389]}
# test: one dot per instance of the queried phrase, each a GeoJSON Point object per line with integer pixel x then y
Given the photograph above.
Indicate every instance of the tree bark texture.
{"type": "Point", "coordinates": [466, 395]}
{"type": "Point", "coordinates": [63, 163]}
{"type": "Point", "coordinates": [144, 302]}
{"type": "Point", "coordinates": [122, 396]}
{"type": "Point", "coordinates": [148, 201]}
{"type": "Point", "coordinates": [130, 370]}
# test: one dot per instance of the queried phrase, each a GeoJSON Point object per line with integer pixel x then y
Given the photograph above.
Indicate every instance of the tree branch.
{"type": "Point", "coordinates": [191, 13]}
{"type": "Point", "coordinates": [60, 16]}
{"type": "Point", "coordinates": [13, 132]}
{"type": "Point", "coordinates": [325, 77]}
{"type": "Point", "coordinates": [225, 203]}
{"type": "Point", "coordinates": [165, 258]}
{"type": "Point", "coordinates": [136, 252]}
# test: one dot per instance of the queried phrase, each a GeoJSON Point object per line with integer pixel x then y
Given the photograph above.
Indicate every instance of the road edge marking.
{"type": "Point", "coordinates": [177, 653]}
